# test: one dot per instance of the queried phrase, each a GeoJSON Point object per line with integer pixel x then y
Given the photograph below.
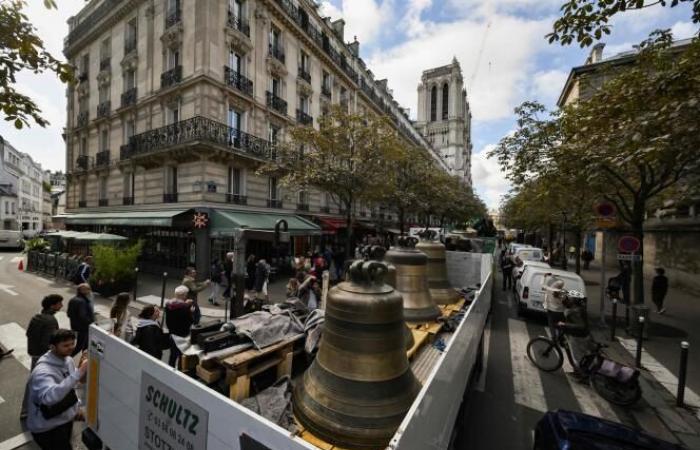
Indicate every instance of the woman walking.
{"type": "Point", "coordinates": [149, 335]}
{"type": "Point", "coordinates": [121, 318]}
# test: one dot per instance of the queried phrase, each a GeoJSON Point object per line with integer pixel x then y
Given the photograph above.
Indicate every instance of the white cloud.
{"type": "Point", "coordinates": [363, 18]}
{"type": "Point", "coordinates": [413, 23]}
{"type": "Point", "coordinates": [684, 30]}
{"type": "Point", "coordinates": [488, 179]}
{"type": "Point", "coordinates": [547, 85]}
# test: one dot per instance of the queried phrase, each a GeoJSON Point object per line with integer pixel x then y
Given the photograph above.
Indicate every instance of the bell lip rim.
{"type": "Point", "coordinates": [367, 288]}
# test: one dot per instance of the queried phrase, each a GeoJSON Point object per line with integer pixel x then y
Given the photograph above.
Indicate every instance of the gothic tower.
{"type": "Point", "coordinates": [444, 118]}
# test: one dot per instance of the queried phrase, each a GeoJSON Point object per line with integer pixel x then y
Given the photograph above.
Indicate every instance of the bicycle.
{"type": "Point", "coordinates": [612, 381]}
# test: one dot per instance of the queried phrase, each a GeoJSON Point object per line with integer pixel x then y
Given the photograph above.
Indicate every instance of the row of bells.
{"type": "Point", "coordinates": [360, 386]}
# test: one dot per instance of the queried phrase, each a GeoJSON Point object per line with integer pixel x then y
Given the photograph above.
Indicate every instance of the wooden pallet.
{"type": "Point", "coordinates": [420, 338]}
{"type": "Point", "coordinates": [241, 367]}
{"type": "Point", "coordinates": [314, 440]}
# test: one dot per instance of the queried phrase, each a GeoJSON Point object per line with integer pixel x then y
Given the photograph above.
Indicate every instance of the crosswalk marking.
{"type": "Point", "coordinates": [664, 376]}
{"type": "Point", "coordinates": [527, 384]}
{"type": "Point", "coordinates": [16, 442]}
{"type": "Point", "coordinates": [12, 336]}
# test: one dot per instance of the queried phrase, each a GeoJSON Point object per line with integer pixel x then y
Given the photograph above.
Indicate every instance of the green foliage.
{"type": "Point", "coordinates": [22, 49]}
{"type": "Point", "coordinates": [36, 243]}
{"type": "Point", "coordinates": [115, 264]}
{"type": "Point", "coordinates": [586, 21]}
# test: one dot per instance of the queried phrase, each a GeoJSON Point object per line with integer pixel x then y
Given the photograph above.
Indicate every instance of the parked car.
{"type": "Point", "coordinates": [518, 270]}
{"type": "Point", "coordinates": [529, 289]}
{"type": "Point", "coordinates": [529, 254]}
{"type": "Point", "coordinates": [513, 246]}
{"type": "Point", "coordinates": [559, 430]}
{"type": "Point", "coordinates": [11, 239]}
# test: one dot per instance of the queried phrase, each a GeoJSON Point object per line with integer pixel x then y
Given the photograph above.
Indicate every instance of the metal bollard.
{"type": "Point", "coordinates": [681, 373]}
{"type": "Point", "coordinates": [613, 326]}
{"type": "Point", "coordinates": [136, 280]}
{"type": "Point", "coordinates": [640, 337]}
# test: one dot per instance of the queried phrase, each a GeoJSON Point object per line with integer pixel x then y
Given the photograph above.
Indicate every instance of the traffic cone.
{"type": "Point", "coordinates": [20, 267]}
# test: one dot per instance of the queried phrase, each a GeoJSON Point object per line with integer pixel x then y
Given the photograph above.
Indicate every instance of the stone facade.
{"type": "Point", "coordinates": [21, 175]}
{"type": "Point", "coordinates": [180, 101]}
{"type": "Point", "coordinates": [444, 117]}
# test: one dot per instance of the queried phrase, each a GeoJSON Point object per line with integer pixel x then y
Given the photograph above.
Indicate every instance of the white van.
{"type": "Point", "coordinates": [514, 246]}
{"type": "Point", "coordinates": [529, 254]}
{"type": "Point", "coordinates": [518, 270]}
{"type": "Point", "coordinates": [529, 289]}
{"type": "Point", "coordinates": [11, 239]}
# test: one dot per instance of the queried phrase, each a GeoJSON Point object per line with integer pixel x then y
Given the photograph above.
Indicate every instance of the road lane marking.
{"type": "Point", "coordinates": [17, 441]}
{"type": "Point", "coordinates": [17, 259]}
{"type": "Point", "coordinates": [664, 376]}
{"type": "Point", "coordinates": [2, 400]}
{"type": "Point", "coordinates": [481, 385]}
{"type": "Point", "coordinates": [8, 289]}
{"type": "Point", "coordinates": [527, 383]}
{"type": "Point", "coordinates": [13, 336]}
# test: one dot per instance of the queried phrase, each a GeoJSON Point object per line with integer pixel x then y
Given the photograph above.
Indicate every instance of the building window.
{"type": "Point", "coordinates": [445, 101]}
{"type": "Point", "coordinates": [104, 139]}
{"type": "Point", "coordinates": [276, 87]}
{"type": "Point", "coordinates": [104, 93]}
{"type": "Point", "coordinates": [83, 191]}
{"type": "Point", "coordinates": [236, 8]}
{"type": "Point", "coordinates": [304, 104]}
{"type": "Point", "coordinates": [82, 150]}
{"type": "Point", "coordinates": [235, 62]}
{"type": "Point", "coordinates": [173, 58]}
{"type": "Point", "coordinates": [234, 119]}
{"type": "Point", "coordinates": [85, 65]}
{"type": "Point", "coordinates": [103, 188]}
{"type": "Point", "coordinates": [172, 114]}
{"type": "Point", "coordinates": [129, 184]}
{"type": "Point", "coordinates": [130, 35]}
{"type": "Point", "coordinates": [129, 80]}
{"type": "Point", "coordinates": [129, 130]}
{"type": "Point", "coordinates": [105, 52]}
{"type": "Point", "coordinates": [14, 210]}
{"type": "Point", "coordinates": [236, 181]}
{"type": "Point", "coordinates": [275, 40]}
{"type": "Point", "coordinates": [273, 188]}
{"type": "Point", "coordinates": [173, 6]}
{"type": "Point", "coordinates": [433, 104]}
{"type": "Point", "coordinates": [326, 81]}
{"type": "Point", "coordinates": [171, 180]}
{"type": "Point", "coordinates": [7, 207]}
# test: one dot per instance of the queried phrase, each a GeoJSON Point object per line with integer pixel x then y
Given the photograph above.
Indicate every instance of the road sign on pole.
{"type": "Point", "coordinates": [628, 257]}
{"type": "Point", "coordinates": [628, 244]}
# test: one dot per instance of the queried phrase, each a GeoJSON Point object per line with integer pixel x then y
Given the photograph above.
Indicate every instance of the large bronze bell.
{"type": "Point", "coordinates": [358, 389]}
{"type": "Point", "coordinates": [440, 289]}
{"type": "Point", "coordinates": [412, 280]}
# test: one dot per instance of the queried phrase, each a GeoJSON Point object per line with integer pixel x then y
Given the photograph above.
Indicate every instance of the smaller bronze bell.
{"type": "Point", "coordinates": [440, 289]}
{"type": "Point", "coordinates": [412, 280]}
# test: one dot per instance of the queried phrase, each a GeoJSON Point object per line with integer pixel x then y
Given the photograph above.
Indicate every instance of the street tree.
{"type": "Point", "coordinates": [348, 157]}
{"type": "Point", "coordinates": [586, 21]}
{"type": "Point", "coordinates": [22, 49]}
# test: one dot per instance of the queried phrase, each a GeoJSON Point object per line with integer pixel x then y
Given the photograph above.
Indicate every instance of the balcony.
{"type": "Point", "coordinates": [103, 202]}
{"type": "Point", "coordinates": [171, 77]}
{"type": "Point", "coordinates": [238, 81]}
{"type": "Point", "coordinates": [238, 23]}
{"type": "Point", "coordinates": [82, 204]}
{"type": "Point", "coordinates": [304, 75]}
{"type": "Point", "coordinates": [196, 129]}
{"type": "Point", "coordinates": [170, 198]}
{"type": "Point", "coordinates": [325, 209]}
{"type": "Point", "coordinates": [274, 203]}
{"type": "Point", "coordinates": [304, 118]}
{"type": "Point", "coordinates": [127, 201]}
{"type": "Point", "coordinates": [105, 63]}
{"type": "Point", "coordinates": [129, 45]}
{"type": "Point", "coordinates": [302, 206]}
{"type": "Point", "coordinates": [173, 17]}
{"type": "Point", "coordinates": [129, 97]}
{"type": "Point", "coordinates": [104, 109]}
{"type": "Point", "coordinates": [102, 159]}
{"type": "Point", "coordinates": [237, 199]}
{"type": "Point", "coordinates": [82, 162]}
{"type": "Point", "coordinates": [276, 103]}
{"type": "Point", "coordinates": [277, 52]}
{"type": "Point", "coordinates": [83, 118]}
{"type": "Point", "coordinates": [326, 91]}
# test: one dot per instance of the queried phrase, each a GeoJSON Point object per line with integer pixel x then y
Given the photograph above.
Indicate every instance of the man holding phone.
{"type": "Point", "coordinates": [53, 403]}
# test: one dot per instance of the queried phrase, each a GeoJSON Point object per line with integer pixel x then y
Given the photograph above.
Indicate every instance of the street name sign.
{"type": "Point", "coordinates": [628, 257]}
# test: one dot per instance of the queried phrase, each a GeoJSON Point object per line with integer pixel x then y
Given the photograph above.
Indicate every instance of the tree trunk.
{"type": "Point", "coordinates": [578, 251]}
{"type": "Point", "coordinates": [638, 265]}
{"type": "Point", "coordinates": [349, 249]}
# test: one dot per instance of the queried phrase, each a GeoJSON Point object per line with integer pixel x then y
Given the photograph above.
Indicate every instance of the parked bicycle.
{"type": "Point", "coordinates": [613, 381]}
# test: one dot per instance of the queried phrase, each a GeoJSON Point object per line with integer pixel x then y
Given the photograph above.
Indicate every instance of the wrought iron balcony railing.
{"type": "Point", "coordinates": [303, 118]}
{"type": "Point", "coordinates": [82, 162]}
{"type": "Point", "coordinates": [276, 103]}
{"type": "Point", "coordinates": [104, 109]}
{"type": "Point", "coordinates": [103, 202]}
{"type": "Point", "coordinates": [305, 75]}
{"type": "Point", "coordinates": [105, 63]}
{"type": "Point", "coordinates": [238, 23]}
{"type": "Point", "coordinates": [102, 158]}
{"type": "Point", "coordinates": [302, 206]}
{"type": "Point", "coordinates": [191, 130]}
{"type": "Point", "coordinates": [83, 118]}
{"type": "Point", "coordinates": [129, 97]}
{"type": "Point", "coordinates": [274, 203]}
{"type": "Point", "coordinates": [173, 17]}
{"type": "Point", "coordinates": [277, 52]}
{"type": "Point", "coordinates": [171, 77]}
{"type": "Point", "coordinates": [238, 81]}
{"type": "Point", "coordinates": [127, 201]}
{"type": "Point", "coordinates": [170, 198]}
{"type": "Point", "coordinates": [237, 199]}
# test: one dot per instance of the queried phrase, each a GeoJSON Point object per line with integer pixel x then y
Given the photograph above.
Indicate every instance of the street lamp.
{"type": "Point", "coordinates": [563, 233]}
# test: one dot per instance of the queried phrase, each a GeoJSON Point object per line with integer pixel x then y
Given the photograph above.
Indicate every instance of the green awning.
{"type": "Point", "coordinates": [129, 218]}
{"type": "Point", "coordinates": [224, 222]}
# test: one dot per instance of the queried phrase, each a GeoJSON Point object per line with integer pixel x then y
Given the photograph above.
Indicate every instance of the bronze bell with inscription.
{"type": "Point", "coordinates": [412, 280]}
{"type": "Point", "coordinates": [440, 289]}
{"type": "Point", "coordinates": [358, 389]}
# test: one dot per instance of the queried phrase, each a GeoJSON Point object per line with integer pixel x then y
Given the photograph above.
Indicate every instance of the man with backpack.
{"type": "Point", "coordinates": [82, 274]}
{"type": "Point", "coordinates": [81, 312]}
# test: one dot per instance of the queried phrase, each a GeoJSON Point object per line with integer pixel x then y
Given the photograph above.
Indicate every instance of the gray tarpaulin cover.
{"type": "Point", "coordinates": [274, 404]}
{"type": "Point", "coordinates": [265, 328]}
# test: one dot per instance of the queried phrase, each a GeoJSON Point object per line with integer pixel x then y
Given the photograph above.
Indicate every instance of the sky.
{"type": "Point", "coordinates": [500, 45]}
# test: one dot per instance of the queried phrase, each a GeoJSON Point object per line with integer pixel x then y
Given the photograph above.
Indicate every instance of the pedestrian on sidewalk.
{"type": "Point", "coordinates": [121, 317]}
{"type": "Point", "coordinates": [149, 335]}
{"type": "Point", "coordinates": [194, 288]}
{"type": "Point", "coordinates": [507, 269]}
{"type": "Point", "coordinates": [262, 276]}
{"type": "Point", "coordinates": [587, 257]}
{"type": "Point", "coordinates": [84, 271]}
{"type": "Point", "coordinates": [81, 312]}
{"type": "Point", "coordinates": [228, 274]}
{"type": "Point", "coordinates": [659, 289]}
{"type": "Point", "coordinates": [217, 278]}
{"type": "Point", "coordinates": [39, 331]}
{"type": "Point", "coordinates": [53, 403]}
{"type": "Point", "coordinates": [250, 273]}
{"type": "Point", "coordinates": [179, 317]}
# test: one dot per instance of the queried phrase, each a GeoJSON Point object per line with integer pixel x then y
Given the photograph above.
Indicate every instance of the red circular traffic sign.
{"type": "Point", "coordinates": [628, 244]}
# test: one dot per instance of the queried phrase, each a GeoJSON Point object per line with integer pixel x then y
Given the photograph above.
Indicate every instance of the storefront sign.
{"type": "Point", "coordinates": [168, 420]}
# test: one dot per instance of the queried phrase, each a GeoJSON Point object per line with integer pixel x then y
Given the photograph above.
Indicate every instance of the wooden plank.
{"type": "Point", "coordinates": [240, 388]}
{"type": "Point", "coordinates": [209, 375]}
{"type": "Point", "coordinates": [263, 366]}
{"type": "Point", "coordinates": [234, 361]}
{"type": "Point", "coordinates": [419, 339]}
{"type": "Point", "coordinates": [285, 367]}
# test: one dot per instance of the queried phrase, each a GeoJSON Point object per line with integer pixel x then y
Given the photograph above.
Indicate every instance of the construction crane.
{"type": "Point", "coordinates": [478, 56]}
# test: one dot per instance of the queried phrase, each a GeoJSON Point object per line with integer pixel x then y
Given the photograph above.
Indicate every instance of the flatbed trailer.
{"type": "Point", "coordinates": [134, 401]}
